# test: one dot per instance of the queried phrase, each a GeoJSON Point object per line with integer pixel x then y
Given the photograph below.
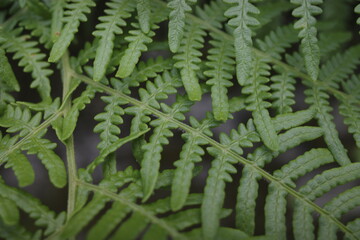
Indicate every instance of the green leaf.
{"type": "Point", "coordinates": [308, 31]}
{"type": "Point", "coordinates": [220, 63]}
{"type": "Point", "coordinates": [188, 59]}
{"type": "Point", "coordinates": [76, 10]}
{"type": "Point", "coordinates": [110, 25]}
{"type": "Point", "coordinates": [242, 20]}
{"type": "Point", "coordinates": [144, 14]}
{"type": "Point", "coordinates": [9, 211]}
{"type": "Point", "coordinates": [177, 22]}
{"type": "Point", "coordinates": [7, 76]}
{"type": "Point", "coordinates": [150, 164]}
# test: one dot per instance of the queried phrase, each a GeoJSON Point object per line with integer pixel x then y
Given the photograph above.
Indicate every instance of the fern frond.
{"type": "Point", "coordinates": [275, 207]}
{"type": "Point", "coordinates": [354, 228]}
{"type": "Point", "coordinates": [248, 187]}
{"type": "Point", "coordinates": [213, 13]}
{"type": "Point", "coordinates": [219, 173]}
{"type": "Point", "coordinates": [332, 41]}
{"type": "Point", "coordinates": [283, 87]}
{"type": "Point", "coordinates": [308, 31]}
{"type": "Point", "coordinates": [76, 10]}
{"type": "Point", "coordinates": [177, 22]}
{"type": "Point", "coordinates": [220, 63]}
{"type": "Point", "coordinates": [39, 27]}
{"type": "Point", "coordinates": [93, 207]}
{"type": "Point", "coordinates": [9, 212]}
{"type": "Point", "coordinates": [295, 119]}
{"type": "Point", "coordinates": [316, 187]}
{"type": "Point", "coordinates": [17, 120]}
{"type": "Point", "coordinates": [350, 109]}
{"type": "Point", "coordinates": [319, 100]}
{"type": "Point", "coordinates": [68, 124]}
{"type": "Point", "coordinates": [188, 59]}
{"type": "Point", "coordinates": [179, 220]}
{"type": "Point", "coordinates": [242, 20]}
{"type": "Point", "coordinates": [17, 161]}
{"type": "Point", "coordinates": [276, 42]}
{"type": "Point", "coordinates": [57, 11]}
{"type": "Point", "coordinates": [339, 67]}
{"type": "Point", "coordinates": [110, 25]}
{"type": "Point", "coordinates": [144, 14]}
{"type": "Point", "coordinates": [190, 154]}
{"type": "Point", "coordinates": [17, 232]}
{"type": "Point", "coordinates": [32, 206]}
{"type": "Point", "coordinates": [8, 81]}
{"type": "Point", "coordinates": [31, 58]}
{"type": "Point", "coordinates": [338, 206]}
{"type": "Point", "coordinates": [142, 72]}
{"type": "Point", "coordinates": [150, 164]}
{"type": "Point", "coordinates": [271, 11]}
{"type": "Point", "coordinates": [257, 90]}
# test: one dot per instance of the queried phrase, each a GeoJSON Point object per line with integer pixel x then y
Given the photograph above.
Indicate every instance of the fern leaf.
{"type": "Point", "coordinates": [283, 91]}
{"type": "Point", "coordinates": [69, 122]}
{"type": "Point", "coordinates": [248, 188]}
{"type": "Point", "coordinates": [220, 64]}
{"type": "Point", "coordinates": [308, 31]}
{"type": "Point", "coordinates": [17, 161]}
{"type": "Point", "coordinates": [142, 72]}
{"type": "Point", "coordinates": [76, 10]}
{"type": "Point", "coordinates": [57, 12]}
{"type": "Point", "coordinates": [290, 120]}
{"type": "Point", "coordinates": [212, 13]}
{"type": "Point", "coordinates": [109, 120]}
{"type": "Point", "coordinates": [219, 173]}
{"type": "Point", "coordinates": [152, 151]}
{"type": "Point", "coordinates": [319, 99]}
{"type": "Point", "coordinates": [9, 212]}
{"type": "Point", "coordinates": [276, 42]}
{"type": "Point", "coordinates": [83, 217]}
{"type": "Point", "coordinates": [329, 42]}
{"type": "Point", "coordinates": [177, 22]}
{"type": "Point", "coordinates": [32, 206]}
{"type": "Point", "coordinates": [354, 228]}
{"type": "Point", "coordinates": [137, 44]}
{"type": "Point", "coordinates": [8, 81]}
{"type": "Point", "coordinates": [17, 120]}
{"type": "Point", "coordinates": [17, 232]}
{"type": "Point", "coordinates": [38, 26]}
{"type": "Point", "coordinates": [338, 206]}
{"type": "Point", "coordinates": [110, 25]}
{"type": "Point", "coordinates": [270, 12]}
{"type": "Point", "coordinates": [316, 187]}
{"type": "Point", "coordinates": [31, 59]}
{"type": "Point", "coordinates": [188, 59]}
{"type": "Point", "coordinates": [242, 20]}
{"type": "Point", "coordinates": [144, 14]}
{"type": "Point", "coordinates": [257, 90]}
{"type": "Point", "coordinates": [339, 67]}
{"type": "Point", "coordinates": [190, 154]}
{"type": "Point", "coordinates": [275, 207]}
{"type": "Point", "coordinates": [351, 110]}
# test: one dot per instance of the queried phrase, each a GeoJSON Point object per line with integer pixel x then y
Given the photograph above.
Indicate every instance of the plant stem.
{"type": "Point", "coordinates": [69, 143]}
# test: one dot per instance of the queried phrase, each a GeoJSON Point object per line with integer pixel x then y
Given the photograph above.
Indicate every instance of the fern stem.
{"type": "Point", "coordinates": [223, 148]}
{"type": "Point", "coordinates": [69, 144]}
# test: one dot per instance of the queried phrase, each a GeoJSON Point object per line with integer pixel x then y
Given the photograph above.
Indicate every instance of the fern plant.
{"type": "Point", "coordinates": [193, 104]}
